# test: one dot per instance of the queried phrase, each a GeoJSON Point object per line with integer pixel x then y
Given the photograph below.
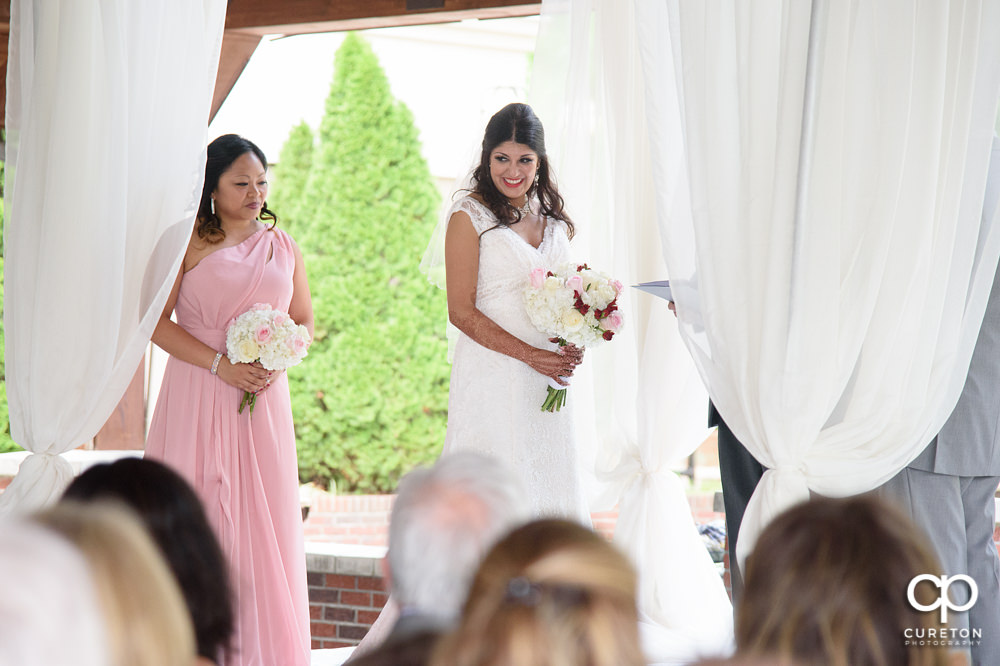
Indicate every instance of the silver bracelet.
{"type": "Point", "coordinates": [215, 363]}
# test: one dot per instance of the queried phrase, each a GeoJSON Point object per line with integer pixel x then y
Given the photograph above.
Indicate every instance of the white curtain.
{"type": "Point", "coordinates": [107, 110]}
{"type": "Point", "coordinates": [640, 396]}
{"type": "Point", "coordinates": [820, 171]}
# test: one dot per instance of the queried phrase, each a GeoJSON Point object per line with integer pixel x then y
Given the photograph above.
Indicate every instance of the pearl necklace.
{"type": "Point", "coordinates": [525, 209]}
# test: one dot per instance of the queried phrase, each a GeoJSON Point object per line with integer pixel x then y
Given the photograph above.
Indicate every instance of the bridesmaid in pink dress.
{"type": "Point", "coordinates": [243, 467]}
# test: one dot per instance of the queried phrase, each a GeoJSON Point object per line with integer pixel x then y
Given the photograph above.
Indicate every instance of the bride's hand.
{"type": "Point", "coordinates": [571, 351]}
{"type": "Point", "coordinates": [250, 377]}
{"type": "Point", "coordinates": [555, 365]}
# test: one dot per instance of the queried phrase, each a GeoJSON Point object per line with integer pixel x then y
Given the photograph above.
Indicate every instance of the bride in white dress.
{"type": "Point", "coordinates": [511, 222]}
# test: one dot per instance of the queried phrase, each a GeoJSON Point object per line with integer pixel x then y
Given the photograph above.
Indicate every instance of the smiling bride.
{"type": "Point", "coordinates": [511, 222]}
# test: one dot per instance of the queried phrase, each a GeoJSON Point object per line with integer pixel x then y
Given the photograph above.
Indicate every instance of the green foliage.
{"type": "Point", "coordinates": [291, 175]}
{"type": "Point", "coordinates": [370, 401]}
{"type": "Point", "coordinates": [6, 443]}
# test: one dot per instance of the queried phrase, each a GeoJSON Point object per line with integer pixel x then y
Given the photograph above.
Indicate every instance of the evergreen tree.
{"type": "Point", "coordinates": [290, 176]}
{"type": "Point", "coordinates": [6, 443]}
{"type": "Point", "coordinates": [370, 402]}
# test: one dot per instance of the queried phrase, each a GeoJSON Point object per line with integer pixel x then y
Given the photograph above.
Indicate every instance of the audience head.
{"type": "Point", "coordinates": [147, 623]}
{"type": "Point", "coordinates": [443, 521]}
{"type": "Point", "coordinates": [174, 516]}
{"type": "Point", "coordinates": [826, 585]}
{"type": "Point", "coordinates": [50, 614]}
{"type": "Point", "coordinates": [551, 593]}
{"type": "Point", "coordinates": [738, 660]}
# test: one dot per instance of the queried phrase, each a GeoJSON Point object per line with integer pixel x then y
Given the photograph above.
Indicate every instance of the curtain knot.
{"type": "Point", "coordinates": [790, 470]}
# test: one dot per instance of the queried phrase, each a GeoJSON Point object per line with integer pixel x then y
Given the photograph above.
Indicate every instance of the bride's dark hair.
{"type": "Point", "coordinates": [518, 123]}
{"type": "Point", "coordinates": [222, 152]}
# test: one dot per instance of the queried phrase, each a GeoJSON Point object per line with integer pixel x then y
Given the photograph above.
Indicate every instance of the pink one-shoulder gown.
{"type": "Point", "coordinates": [243, 467]}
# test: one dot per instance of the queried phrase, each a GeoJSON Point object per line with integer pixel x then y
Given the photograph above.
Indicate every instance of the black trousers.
{"type": "Point", "coordinates": [740, 473]}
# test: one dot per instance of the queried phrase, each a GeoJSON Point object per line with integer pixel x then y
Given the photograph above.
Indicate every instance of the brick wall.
{"type": "Point", "coordinates": [346, 593]}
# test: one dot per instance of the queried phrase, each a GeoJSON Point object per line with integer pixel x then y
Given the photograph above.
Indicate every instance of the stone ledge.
{"type": "Point", "coordinates": [78, 459]}
{"type": "Point", "coordinates": [347, 559]}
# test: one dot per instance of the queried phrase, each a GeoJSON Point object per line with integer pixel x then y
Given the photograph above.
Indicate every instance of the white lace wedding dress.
{"type": "Point", "coordinates": [494, 404]}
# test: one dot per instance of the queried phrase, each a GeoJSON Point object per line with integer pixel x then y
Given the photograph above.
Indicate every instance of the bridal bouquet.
{"type": "Point", "coordinates": [266, 335]}
{"type": "Point", "coordinates": [575, 304]}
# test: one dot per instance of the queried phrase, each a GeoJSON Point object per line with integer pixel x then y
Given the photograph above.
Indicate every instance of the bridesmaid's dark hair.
{"type": "Point", "coordinates": [174, 517]}
{"type": "Point", "coordinates": [222, 152]}
{"type": "Point", "coordinates": [518, 123]}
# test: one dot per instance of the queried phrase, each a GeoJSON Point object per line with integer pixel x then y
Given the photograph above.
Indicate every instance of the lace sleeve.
{"type": "Point", "coordinates": [482, 218]}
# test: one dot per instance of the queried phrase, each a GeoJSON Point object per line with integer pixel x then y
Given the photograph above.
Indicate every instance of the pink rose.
{"type": "Point", "coordinates": [261, 306]}
{"type": "Point", "coordinates": [538, 278]}
{"type": "Point", "coordinates": [296, 344]}
{"type": "Point", "coordinates": [263, 334]}
{"type": "Point", "coordinates": [575, 283]}
{"type": "Point", "coordinates": [279, 319]}
{"type": "Point", "coordinates": [613, 322]}
{"type": "Point", "coordinates": [617, 286]}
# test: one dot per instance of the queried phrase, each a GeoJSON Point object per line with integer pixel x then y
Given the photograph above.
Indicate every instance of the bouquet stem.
{"type": "Point", "coordinates": [556, 397]}
{"type": "Point", "coordinates": [554, 401]}
{"type": "Point", "coordinates": [249, 400]}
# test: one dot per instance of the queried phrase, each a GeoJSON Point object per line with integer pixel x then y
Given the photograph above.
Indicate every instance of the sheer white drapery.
{"type": "Point", "coordinates": [107, 110]}
{"type": "Point", "coordinates": [640, 396]}
{"type": "Point", "coordinates": [820, 207]}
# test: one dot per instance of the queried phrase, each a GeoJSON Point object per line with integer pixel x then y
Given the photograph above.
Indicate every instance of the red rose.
{"type": "Point", "coordinates": [608, 335]}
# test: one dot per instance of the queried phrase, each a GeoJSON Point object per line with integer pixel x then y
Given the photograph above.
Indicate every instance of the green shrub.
{"type": "Point", "coordinates": [6, 443]}
{"type": "Point", "coordinates": [370, 401]}
{"type": "Point", "coordinates": [290, 176]}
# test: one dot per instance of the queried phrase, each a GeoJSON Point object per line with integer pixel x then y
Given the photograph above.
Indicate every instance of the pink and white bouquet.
{"type": "Point", "coordinates": [266, 335]}
{"type": "Point", "coordinates": [575, 304]}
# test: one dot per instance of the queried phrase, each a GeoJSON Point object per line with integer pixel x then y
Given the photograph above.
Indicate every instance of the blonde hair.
{"type": "Point", "coordinates": [826, 585]}
{"type": "Point", "coordinates": [47, 588]}
{"type": "Point", "coordinates": [145, 615]}
{"type": "Point", "coordinates": [552, 593]}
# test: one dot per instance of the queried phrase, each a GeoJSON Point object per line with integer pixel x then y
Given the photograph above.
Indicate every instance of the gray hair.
{"type": "Point", "coordinates": [443, 521]}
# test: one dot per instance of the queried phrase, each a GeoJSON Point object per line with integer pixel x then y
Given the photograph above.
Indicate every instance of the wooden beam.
{"type": "Point", "coordinates": [4, 37]}
{"type": "Point", "coordinates": [126, 427]}
{"type": "Point", "coordinates": [295, 17]}
{"type": "Point", "coordinates": [237, 47]}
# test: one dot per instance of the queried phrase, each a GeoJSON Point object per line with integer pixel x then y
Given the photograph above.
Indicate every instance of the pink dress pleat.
{"type": "Point", "coordinates": [243, 467]}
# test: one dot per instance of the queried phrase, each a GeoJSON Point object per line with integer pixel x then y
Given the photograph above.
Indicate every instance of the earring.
{"type": "Point", "coordinates": [213, 205]}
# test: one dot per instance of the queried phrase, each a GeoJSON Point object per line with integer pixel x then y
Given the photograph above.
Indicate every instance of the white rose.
{"type": "Point", "coordinates": [606, 293]}
{"type": "Point", "coordinates": [247, 351]}
{"type": "Point", "coordinates": [572, 320]}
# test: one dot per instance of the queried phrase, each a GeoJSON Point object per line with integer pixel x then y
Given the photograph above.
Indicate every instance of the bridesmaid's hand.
{"type": "Point", "coordinates": [271, 376]}
{"type": "Point", "coordinates": [251, 377]}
